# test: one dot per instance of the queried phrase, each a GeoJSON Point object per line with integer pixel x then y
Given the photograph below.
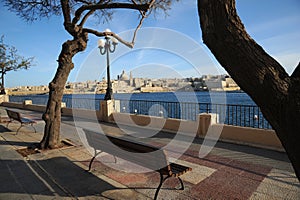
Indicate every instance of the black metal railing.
{"type": "Point", "coordinates": [237, 115]}
{"type": "Point", "coordinates": [71, 101]}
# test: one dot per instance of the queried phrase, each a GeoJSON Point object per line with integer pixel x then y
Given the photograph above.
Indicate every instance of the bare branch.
{"type": "Point", "coordinates": [32, 10]}
{"type": "Point", "coordinates": [102, 34]}
{"type": "Point", "coordinates": [128, 44]}
{"type": "Point", "coordinates": [82, 1]}
{"type": "Point", "coordinates": [78, 13]}
{"type": "Point", "coordinates": [137, 28]}
{"type": "Point", "coordinates": [143, 14]}
{"type": "Point", "coordinates": [66, 11]}
{"type": "Point", "coordinates": [86, 17]}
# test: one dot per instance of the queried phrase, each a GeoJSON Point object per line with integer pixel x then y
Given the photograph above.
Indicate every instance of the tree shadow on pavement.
{"type": "Point", "coordinates": [50, 177]}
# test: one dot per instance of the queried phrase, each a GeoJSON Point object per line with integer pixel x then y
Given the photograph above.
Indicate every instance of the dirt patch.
{"type": "Point", "coordinates": [27, 151]}
{"type": "Point", "coordinates": [33, 150]}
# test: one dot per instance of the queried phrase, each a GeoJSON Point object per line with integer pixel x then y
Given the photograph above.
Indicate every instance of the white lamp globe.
{"type": "Point", "coordinates": [101, 43]}
{"type": "Point", "coordinates": [114, 41]}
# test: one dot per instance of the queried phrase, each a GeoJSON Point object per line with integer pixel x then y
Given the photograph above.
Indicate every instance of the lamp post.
{"type": "Point", "coordinates": [107, 46]}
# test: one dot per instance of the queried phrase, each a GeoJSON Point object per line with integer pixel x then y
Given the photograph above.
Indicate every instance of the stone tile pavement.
{"type": "Point", "coordinates": [229, 171]}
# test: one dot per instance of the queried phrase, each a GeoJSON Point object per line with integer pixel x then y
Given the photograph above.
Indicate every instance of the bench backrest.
{"type": "Point", "coordinates": [13, 115]}
{"type": "Point", "coordinates": [142, 154]}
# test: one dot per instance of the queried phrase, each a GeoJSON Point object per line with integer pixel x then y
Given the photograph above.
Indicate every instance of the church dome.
{"type": "Point", "coordinates": [124, 76]}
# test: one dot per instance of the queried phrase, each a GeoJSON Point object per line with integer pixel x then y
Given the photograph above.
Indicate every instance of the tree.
{"type": "Point", "coordinates": [11, 61]}
{"type": "Point", "coordinates": [256, 72]}
{"type": "Point", "coordinates": [75, 15]}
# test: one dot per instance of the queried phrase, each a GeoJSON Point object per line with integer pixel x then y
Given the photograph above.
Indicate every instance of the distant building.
{"type": "Point", "coordinates": [130, 84]}
{"type": "Point", "coordinates": [222, 82]}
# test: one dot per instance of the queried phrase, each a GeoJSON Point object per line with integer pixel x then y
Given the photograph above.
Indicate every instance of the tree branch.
{"type": "Point", "coordinates": [66, 10]}
{"type": "Point", "coordinates": [82, 1]}
{"type": "Point", "coordinates": [256, 72]}
{"type": "Point", "coordinates": [225, 35]}
{"type": "Point", "coordinates": [128, 44]}
{"type": "Point", "coordinates": [86, 17]}
{"type": "Point", "coordinates": [296, 73]}
{"type": "Point", "coordinates": [137, 28]}
{"type": "Point", "coordinates": [79, 11]}
{"type": "Point", "coordinates": [102, 34]}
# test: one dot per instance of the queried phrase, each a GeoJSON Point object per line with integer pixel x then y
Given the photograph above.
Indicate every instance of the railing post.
{"type": "Point", "coordinates": [4, 98]}
{"type": "Point", "coordinates": [205, 121]}
{"type": "Point", "coordinates": [107, 108]}
{"type": "Point", "coordinates": [63, 105]}
{"type": "Point", "coordinates": [27, 102]}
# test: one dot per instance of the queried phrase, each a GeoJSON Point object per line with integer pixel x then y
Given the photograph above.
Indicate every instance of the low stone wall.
{"type": "Point", "coordinates": [204, 126]}
{"type": "Point", "coordinates": [82, 113]}
{"type": "Point", "coordinates": [263, 138]}
{"type": "Point", "coordinates": [25, 105]}
{"type": "Point", "coordinates": [166, 124]}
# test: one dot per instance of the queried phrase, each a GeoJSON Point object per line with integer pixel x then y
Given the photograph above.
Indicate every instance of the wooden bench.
{"type": "Point", "coordinates": [136, 152]}
{"type": "Point", "coordinates": [16, 116]}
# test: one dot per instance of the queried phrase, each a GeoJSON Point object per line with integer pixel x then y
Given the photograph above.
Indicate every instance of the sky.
{"type": "Point", "coordinates": [166, 47]}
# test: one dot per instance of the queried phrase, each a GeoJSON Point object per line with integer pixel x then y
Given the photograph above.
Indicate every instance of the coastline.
{"type": "Point", "coordinates": [24, 93]}
{"type": "Point", "coordinates": [141, 90]}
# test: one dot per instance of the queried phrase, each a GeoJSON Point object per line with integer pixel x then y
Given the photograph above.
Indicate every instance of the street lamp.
{"type": "Point", "coordinates": [107, 46]}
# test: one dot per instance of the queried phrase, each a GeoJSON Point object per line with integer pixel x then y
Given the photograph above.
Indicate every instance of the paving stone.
{"type": "Point", "coordinates": [16, 196]}
{"type": "Point", "coordinates": [228, 172]}
{"type": "Point", "coordinates": [262, 196]}
{"type": "Point", "coordinates": [198, 173]}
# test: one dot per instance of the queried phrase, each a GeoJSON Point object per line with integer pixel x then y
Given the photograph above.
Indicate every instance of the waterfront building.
{"type": "Point", "coordinates": [128, 84]}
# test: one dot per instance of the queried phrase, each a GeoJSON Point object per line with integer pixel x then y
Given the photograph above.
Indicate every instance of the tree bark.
{"type": "Point", "coordinates": [2, 90]}
{"type": "Point", "coordinates": [257, 73]}
{"type": "Point", "coordinates": [52, 115]}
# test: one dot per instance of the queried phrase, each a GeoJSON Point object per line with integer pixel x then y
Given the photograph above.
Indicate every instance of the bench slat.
{"type": "Point", "coordinates": [27, 121]}
{"type": "Point", "coordinates": [178, 170]}
{"type": "Point", "coordinates": [14, 115]}
{"type": "Point", "coordinates": [141, 154]}
{"type": "Point", "coordinates": [17, 116]}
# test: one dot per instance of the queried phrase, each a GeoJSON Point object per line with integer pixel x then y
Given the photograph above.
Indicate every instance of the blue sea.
{"type": "Point", "coordinates": [236, 108]}
{"type": "Point", "coordinates": [240, 98]}
{"type": "Point", "coordinates": [84, 100]}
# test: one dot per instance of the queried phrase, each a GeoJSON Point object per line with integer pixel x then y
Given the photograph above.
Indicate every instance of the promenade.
{"type": "Point", "coordinates": [229, 171]}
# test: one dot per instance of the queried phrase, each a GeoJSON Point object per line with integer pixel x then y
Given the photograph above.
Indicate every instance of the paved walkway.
{"type": "Point", "coordinates": [229, 171]}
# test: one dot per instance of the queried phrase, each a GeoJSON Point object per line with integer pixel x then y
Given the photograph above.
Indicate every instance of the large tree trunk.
{"type": "Point", "coordinates": [52, 115]}
{"type": "Point", "coordinates": [2, 89]}
{"type": "Point", "coordinates": [257, 73]}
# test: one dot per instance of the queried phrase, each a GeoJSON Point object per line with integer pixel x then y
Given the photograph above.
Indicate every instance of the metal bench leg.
{"type": "Point", "coordinates": [92, 160]}
{"type": "Point", "coordinates": [33, 128]}
{"type": "Point", "coordinates": [162, 180]}
{"type": "Point", "coordinates": [182, 186]}
{"type": "Point", "coordinates": [90, 165]}
{"type": "Point", "coordinates": [19, 129]}
{"type": "Point", "coordinates": [160, 184]}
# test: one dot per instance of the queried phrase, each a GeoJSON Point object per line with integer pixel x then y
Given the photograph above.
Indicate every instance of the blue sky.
{"type": "Point", "coordinates": [173, 47]}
